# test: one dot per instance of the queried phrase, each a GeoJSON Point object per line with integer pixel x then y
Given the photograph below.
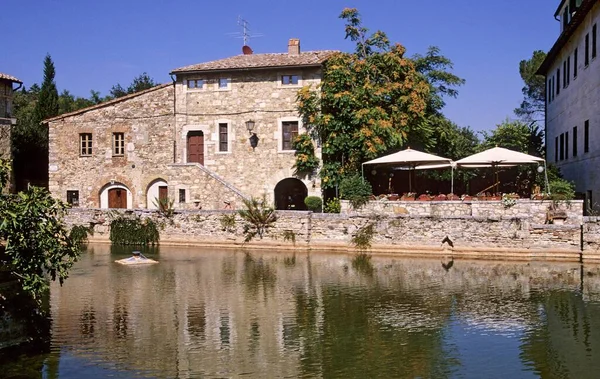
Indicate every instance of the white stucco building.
{"type": "Point", "coordinates": [572, 71]}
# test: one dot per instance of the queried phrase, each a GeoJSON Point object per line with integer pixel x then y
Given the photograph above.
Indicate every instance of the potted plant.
{"type": "Point", "coordinates": [466, 197]}
{"type": "Point", "coordinates": [408, 196]}
{"type": "Point", "coordinates": [452, 196]}
{"type": "Point", "coordinates": [393, 197]}
{"type": "Point", "coordinates": [440, 197]}
{"type": "Point", "coordinates": [424, 197]}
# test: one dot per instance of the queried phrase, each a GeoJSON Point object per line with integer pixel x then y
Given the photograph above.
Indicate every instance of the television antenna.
{"type": "Point", "coordinates": [245, 34]}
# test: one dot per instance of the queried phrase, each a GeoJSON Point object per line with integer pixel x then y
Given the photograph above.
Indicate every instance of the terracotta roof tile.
{"type": "Point", "coordinates": [9, 77]}
{"type": "Point", "coordinates": [308, 58]}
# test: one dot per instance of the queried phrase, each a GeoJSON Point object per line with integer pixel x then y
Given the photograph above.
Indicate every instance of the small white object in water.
{"type": "Point", "coordinates": [137, 259]}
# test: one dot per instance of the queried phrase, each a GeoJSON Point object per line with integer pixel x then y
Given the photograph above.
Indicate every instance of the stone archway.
{"type": "Point", "coordinates": [156, 192]}
{"type": "Point", "coordinates": [116, 195]}
{"type": "Point", "coordinates": [290, 194]}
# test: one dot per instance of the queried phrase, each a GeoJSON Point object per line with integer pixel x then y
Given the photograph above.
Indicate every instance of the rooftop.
{"type": "Point", "coordinates": [584, 9]}
{"type": "Point", "coordinates": [257, 61]}
{"type": "Point", "coordinates": [9, 77]}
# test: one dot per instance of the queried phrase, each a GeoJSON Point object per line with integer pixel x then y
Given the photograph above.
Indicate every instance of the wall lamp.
{"type": "Point", "coordinates": [253, 138]}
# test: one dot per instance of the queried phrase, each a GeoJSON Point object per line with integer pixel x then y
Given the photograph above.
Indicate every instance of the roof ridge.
{"type": "Point", "coordinates": [260, 60]}
{"type": "Point", "coordinates": [106, 103]}
{"type": "Point", "coordinates": [9, 77]}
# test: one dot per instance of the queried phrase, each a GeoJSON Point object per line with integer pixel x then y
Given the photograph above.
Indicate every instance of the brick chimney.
{"type": "Point", "coordinates": [294, 46]}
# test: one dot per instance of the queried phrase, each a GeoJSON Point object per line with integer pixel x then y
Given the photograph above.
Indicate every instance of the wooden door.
{"type": "Point", "coordinates": [117, 198]}
{"type": "Point", "coordinates": [163, 197]}
{"type": "Point", "coordinates": [163, 193]}
{"type": "Point", "coordinates": [195, 147]}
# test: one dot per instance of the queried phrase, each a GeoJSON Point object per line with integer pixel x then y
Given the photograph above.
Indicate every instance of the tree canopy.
{"type": "Point", "coordinates": [532, 107]}
{"type": "Point", "coordinates": [34, 244]}
{"type": "Point", "coordinates": [373, 100]}
{"type": "Point", "coordinates": [139, 83]}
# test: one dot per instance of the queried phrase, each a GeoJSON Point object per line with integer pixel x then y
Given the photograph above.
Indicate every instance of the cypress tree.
{"type": "Point", "coordinates": [47, 105]}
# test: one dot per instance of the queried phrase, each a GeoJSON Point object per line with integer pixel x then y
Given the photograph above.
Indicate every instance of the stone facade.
{"type": "Point", "coordinates": [7, 119]}
{"type": "Point", "coordinates": [573, 98]}
{"type": "Point", "coordinates": [207, 106]}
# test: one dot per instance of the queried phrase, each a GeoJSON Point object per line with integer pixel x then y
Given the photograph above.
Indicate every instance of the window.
{"type": "Point", "coordinates": [587, 49]}
{"type": "Point", "coordinates": [223, 137]}
{"type": "Point", "coordinates": [556, 149]}
{"type": "Point", "coordinates": [558, 81]}
{"type": "Point", "coordinates": [564, 74]}
{"type": "Point", "coordinates": [594, 38]}
{"type": "Point", "coordinates": [287, 80]}
{"type": "Point", "coordinates": [289, 131]}
{"type": "Point", "coordinates": [568, 70]}
{"type": "Point", "coordinates": [118, 144]}
{"type": "Point", "coordinates": [182, 195]}
{"type": "Point", "coordinates": [223, 83]}
{"type": "Point", "coordinates": [85, 144]}
{"type": "Point", "coordinates": [575, 62]}
{"type": "Point", "coordinates": [574, 141]}
{"type": "Point", "coordinates": [588, 201]}
{"type": "Point", "coordinates": [562, 146]}
{"type": "Point", "coordinates": [549, 91]}
{"type": "Point", "coordinates": [195, 83]}
{"type": "Point", "coordinates": [552, 93]}
{"type": "Point", "coordinates": [566, 145]}
{"type": "Point", "coordinates": [586, 136]}
{"type": "Point", "coordinates": [73, 198]}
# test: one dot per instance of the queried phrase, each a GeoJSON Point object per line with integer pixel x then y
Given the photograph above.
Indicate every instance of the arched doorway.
{"type": "Point", "coordinates": [116, 196]}
{"type": "Point", "coordinates": [157, 191]}
{"type": "Point", "coordinates": [290, 194]}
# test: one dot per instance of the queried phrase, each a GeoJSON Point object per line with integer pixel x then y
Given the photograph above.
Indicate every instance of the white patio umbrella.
{"type": "Point", "coordinates": [411, 159]}
{"type": "Point", "coordinates": [500, 157]}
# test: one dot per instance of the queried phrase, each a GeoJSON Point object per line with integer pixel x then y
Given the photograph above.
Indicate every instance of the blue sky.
{"type": "Point", "coordinates": [96, 44]}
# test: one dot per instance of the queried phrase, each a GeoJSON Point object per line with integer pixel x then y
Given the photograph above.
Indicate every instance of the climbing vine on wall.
{"type": "Point", "coordinates": [306, 160]}
{"type": "Point", "coordinates": [133, 231]}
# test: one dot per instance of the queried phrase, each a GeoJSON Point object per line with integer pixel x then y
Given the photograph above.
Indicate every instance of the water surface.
{"type": "Point", "coordinates": [203, 313]}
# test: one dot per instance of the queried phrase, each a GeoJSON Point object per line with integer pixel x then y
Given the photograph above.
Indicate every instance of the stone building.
{"type": "Point", "coordinates": [7, 119]}
{"type": "Point", "coordinates": [220, 132]}
{"type": "Point", "coordinates": [572, 72]}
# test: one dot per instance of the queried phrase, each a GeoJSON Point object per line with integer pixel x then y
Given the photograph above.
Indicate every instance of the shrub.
{"type": "Point", "coordinates": [228, 222]}
{"type": "Point", "coordinates": [133, 231]}
{"type": "Point", "coordinates": [333, 206]}
{"type": "Point", "coordinates": [259, 217]}
{"type": "Point", "coordinates": [313, 203]}
{"type": "Point", "coordinates": [289, 235]}
{"type": "Point", "coordinates": [79, 234]}
{"type": "Point", "coordinates": [363, 237]}
{"type": "Point", "coordinates": [561, 189]}
{"type": "Point", "coordinates": [355, 189]}
{"type": "Point", "coordinates": [165, 207]}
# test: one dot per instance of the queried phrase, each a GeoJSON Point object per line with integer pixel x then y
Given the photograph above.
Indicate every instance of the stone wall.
{"type": "Point", "coordinates": [533, 210]}
{"type": "Point", "coordinates": [472, 237]}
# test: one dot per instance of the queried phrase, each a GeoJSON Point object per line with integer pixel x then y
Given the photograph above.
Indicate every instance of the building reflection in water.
{"type": "Point", "coordinates": [232, 313]}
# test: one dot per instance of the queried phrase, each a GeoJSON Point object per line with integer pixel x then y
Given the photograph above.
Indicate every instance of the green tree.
{"type": "Point", "coordinates": [139, 83]}
{"type": "Point", "coordinates": [369, 102]}
{"type": "Point", "coordinates": [30, 137]}
{"type": "Point", "coordinates": [524, 137]}
{"type": "Point", "coordinates": [534, 92]}
{"type": "Point", "coordinates": [47, 104]}
{"type": "Point", "coordinates": [516, 135]}
{"type": "Point", "coordinates": [34, 244]}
